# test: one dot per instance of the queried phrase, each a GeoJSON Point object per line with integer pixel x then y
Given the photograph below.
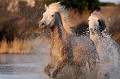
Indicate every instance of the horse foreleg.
{"type": "Point", "coordinates": [48, 67]}
{"type": "Point", "coordinates": [94, 66]}
{"type": "Point", "coordinates": [59, 67]}
{"type": "Point", "coordinates": [46, 70]}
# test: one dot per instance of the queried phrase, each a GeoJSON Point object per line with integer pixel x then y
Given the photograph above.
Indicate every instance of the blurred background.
{"type": "Point", "coordinates": [19, 20]}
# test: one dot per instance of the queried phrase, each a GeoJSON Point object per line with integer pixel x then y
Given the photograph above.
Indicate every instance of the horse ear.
{"type": "Point", "coordinates": [58, 2]}
{"type": "Point", "coordinates": [102, 25]}
{"type": "Point", "coordinates": [46, 7]}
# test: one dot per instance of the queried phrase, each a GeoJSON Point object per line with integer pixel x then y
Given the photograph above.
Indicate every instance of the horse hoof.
{"type": "Point", "coordinates": [47, 72]}
{"type": "Point", "coordinates": [54, 74]}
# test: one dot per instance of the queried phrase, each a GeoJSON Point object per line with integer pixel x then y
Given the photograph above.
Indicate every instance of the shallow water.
{"type": "Point", "coordinates": [30, 66]}
{"type": "Point", "coordinates": [25, 66]}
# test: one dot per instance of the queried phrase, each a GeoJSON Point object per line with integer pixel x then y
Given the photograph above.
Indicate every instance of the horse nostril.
{"type": "Point", "coordinates": [42, 23]}
{"type": "Point", "coordinates": [91, 29]}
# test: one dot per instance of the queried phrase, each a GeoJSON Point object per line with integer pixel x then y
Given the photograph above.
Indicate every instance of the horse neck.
{"type": "Point", "coordinates": [96, 38]}
{"type": "Point", "coordinates": [58, 36]}
{"type": "Point", "coordinates": [59, 32]}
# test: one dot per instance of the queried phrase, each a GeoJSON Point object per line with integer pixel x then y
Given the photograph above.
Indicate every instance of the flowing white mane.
{"type": "Point", "coordinates": [57, 7]}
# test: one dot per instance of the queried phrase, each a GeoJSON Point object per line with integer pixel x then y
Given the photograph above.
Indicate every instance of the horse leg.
{"type": "Point", "coordinates": [48, 67]}
{"type": "Point", "coordinates": [94, 66]}
{"type": "Point", "coordinates": [60, 65]}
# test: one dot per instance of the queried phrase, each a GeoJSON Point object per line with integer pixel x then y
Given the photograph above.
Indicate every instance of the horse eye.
{"type": "Point", "coordinates": [52, 15]}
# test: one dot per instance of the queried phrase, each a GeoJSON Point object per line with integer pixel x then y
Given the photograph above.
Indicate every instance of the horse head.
{"type": "Point", "coordinates": [50, 18]}
{"type": "Point", "coordinates": [96, 23]}
{"type": "Point", "coordinates": [56, 15]}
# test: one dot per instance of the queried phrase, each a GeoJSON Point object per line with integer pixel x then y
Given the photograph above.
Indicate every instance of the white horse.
{"type": "Point", "coordinates": [67, 48]}
{"type": "Point", "coordinates": [106, 47]}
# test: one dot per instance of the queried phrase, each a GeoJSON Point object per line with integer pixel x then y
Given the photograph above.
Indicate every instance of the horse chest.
{"type": "Point", "coordinates": [58, 49]}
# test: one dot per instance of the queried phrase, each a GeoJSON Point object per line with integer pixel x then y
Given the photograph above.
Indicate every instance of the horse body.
{"type": "Point", "coordinates": [66, 47]}
{"type": "Point", "coordinates": [106, 47]}
{"type": "Point", "coordinates": [69, 49]}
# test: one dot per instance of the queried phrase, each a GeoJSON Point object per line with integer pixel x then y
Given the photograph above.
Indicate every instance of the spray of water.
{"type": "Point", "coordinates": [108, 51]}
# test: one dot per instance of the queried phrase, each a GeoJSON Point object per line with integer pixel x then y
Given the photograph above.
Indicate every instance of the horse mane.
{"type": "Point", "coordinates": [57, 7]}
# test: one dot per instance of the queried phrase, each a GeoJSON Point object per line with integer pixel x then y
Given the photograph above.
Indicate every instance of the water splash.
{"type": "Point", "coordinates": [109, 52]}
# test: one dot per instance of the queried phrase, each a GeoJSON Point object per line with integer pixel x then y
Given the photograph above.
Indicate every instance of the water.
{"type": "Point", "coordinates": [31, 66]}
{"type": "Point", "coordinates": [26, 66]}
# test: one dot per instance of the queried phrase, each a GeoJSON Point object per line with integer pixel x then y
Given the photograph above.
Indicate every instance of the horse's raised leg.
{"type": "Point", "coordinates": [48, 67]}
{"type": "Point", "coordinates": [59, 67]}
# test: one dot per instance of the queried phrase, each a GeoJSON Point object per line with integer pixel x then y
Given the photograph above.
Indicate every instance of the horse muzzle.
{"type": "Point", "coordinates": [41, 25]}
{"type": "Point", "coordinates": [92, 31]}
